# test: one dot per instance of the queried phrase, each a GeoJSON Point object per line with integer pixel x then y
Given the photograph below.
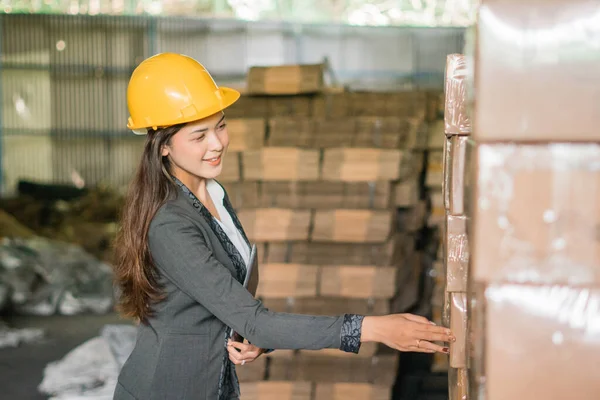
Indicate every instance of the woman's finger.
{"type": "Point", "coordinates": [233, 353]}
{"type": "Point", "coordinates": [234, 360]}
{"type": "Point", "coordinates": [424, 329]}
{"type": "Point", "coordinates": [418, 318]}
{"type": "Point", "coordinates": [435, 337]}
{"type": "Point", "coordinates": [428, 347]}
{"type": "Point", "coordinates": [240, 346]}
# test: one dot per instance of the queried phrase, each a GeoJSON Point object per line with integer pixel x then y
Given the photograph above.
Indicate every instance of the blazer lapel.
{"type": "Point", "coordinates": [229, 247]}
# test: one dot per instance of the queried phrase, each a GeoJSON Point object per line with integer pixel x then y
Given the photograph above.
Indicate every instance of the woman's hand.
{"type": "Point", "coordinates": [406, 332]}
{"type": "Point", "coordinates": [242, 353]}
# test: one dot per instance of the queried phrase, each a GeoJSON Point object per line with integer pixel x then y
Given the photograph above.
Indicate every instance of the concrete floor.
{"type": "Point", "coordinates": [21, 368]}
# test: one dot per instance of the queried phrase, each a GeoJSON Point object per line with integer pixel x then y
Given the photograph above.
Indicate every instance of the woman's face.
{"type": "Point", "coordinates": [198, 149]}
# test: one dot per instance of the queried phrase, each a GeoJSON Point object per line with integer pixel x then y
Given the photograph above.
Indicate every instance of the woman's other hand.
{"type": "Point", "coordinates": [406, 332]}
{"type": "Point", "coordinates": [242, 353]}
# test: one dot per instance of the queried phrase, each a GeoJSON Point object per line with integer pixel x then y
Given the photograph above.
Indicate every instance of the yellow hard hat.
{"type": "Point", "coordinates": [169, 89]}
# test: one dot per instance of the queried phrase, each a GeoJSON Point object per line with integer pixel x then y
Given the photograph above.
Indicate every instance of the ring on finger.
{"type": "Point", "coordinates": [243, 362]}
{"type": "Point", "coordinates": [418, 343]}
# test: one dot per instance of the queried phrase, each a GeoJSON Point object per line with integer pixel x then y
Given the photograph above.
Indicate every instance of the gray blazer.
{"type": "Point", "coordinates": [180, 352]}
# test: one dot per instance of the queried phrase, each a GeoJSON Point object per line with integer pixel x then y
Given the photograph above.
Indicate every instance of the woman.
{"type": "Point", "coordinates": [182, 253]}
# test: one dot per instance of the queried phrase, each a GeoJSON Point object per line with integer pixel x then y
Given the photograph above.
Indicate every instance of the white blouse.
{"type": "Point", "coordinates": [217, 194]}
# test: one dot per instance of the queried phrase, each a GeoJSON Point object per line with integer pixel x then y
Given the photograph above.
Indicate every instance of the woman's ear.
{"type": "Point", "coordinates": [165, 151]}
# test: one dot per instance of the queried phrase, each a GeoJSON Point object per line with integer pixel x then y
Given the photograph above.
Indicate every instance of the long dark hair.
{"type": "Point", "coordinates": [134, 272]}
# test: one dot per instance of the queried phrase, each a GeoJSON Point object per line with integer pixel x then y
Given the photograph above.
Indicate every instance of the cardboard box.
{"type": "Point", "coordinates": [456, 120]}
{"type": "Point", "coordinates": [534, 77]}
{"type": "Point", "coordinates": [541, 342]}
{"type": "Point", "coordinates": [286, 79]}
{"type": "Point", "coordinates": [457, 253]}
{"type": "Point", "coordinates": [458, 384]}
{"type": "Point", "coordinates": [447, 169]}
{"type": "Point", "coordinates": [537, 214]}
{"type": "Point", "coordinates": [458, 326]}
{"type": "Point", "coordinates": [457, 175]}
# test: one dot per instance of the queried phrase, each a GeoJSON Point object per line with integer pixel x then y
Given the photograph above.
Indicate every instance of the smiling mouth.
{"type": "Point", "coordinates": [213, 161]}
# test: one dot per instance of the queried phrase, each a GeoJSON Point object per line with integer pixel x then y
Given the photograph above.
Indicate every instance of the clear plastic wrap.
{"type": "Point", "coordinates": [456, 253]}
{"type": "Point", "coordinates": [456, 175]}
{"type": "Point", "coordinates": [458, 326]}
{"type": "Point", "coordinates": [537, 214]}
{"type": "Point", "coordinates": [447, 166]}
{"type": "Point", "coordinates": [458, 384]}
{"type": "Point", "coordinates": [456, 120]}
{"type": "Point", "coordinates": [537, 71]}
{"type": "Point", "coordinates": [536, 342]}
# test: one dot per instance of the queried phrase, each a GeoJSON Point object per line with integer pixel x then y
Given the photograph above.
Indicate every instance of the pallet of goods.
{"type": "Point", "coordinates": [333, 200]}
{"type": "Point", "coordinates": [534, 214]}
{"type": "Point", "coordinates": [457, 129]}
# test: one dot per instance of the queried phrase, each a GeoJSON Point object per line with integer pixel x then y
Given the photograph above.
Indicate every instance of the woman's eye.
{"type": "Point", "coordinates": [199, 138]}
{"type": "Point", "coordinates": [222, 126]}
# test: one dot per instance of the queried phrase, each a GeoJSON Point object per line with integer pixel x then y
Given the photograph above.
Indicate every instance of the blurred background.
{"type": "Point", "coordinates": [335, 169]}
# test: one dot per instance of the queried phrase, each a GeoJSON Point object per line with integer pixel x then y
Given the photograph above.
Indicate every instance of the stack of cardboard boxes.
{"type": "Point", "coordinates": [457, 128]}
{"type": "Point", "coordinates": [332, 196]}
{"type": "Point", "coordinates": [535, 309]}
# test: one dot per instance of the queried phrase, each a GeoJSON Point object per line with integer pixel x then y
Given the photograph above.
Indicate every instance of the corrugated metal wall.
{"type": "Point", "coordinates": [64, 78]}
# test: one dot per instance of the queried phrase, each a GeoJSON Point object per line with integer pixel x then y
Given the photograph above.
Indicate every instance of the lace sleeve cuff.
{"type": "Point", "coordinates": [351, 332]}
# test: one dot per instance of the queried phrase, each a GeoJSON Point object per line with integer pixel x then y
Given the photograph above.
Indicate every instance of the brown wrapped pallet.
{"type": "Point", "coordinates": [254, 371]}
{"type": "Point", "coordinates": [289, 106]}
{"type": "Point", "coordinates": [412, 219]}
{"type": "Point", "coordinates": [356, 165]}
{"type": "Point", "coordinates": [544, 94]}
{"type": "Point", "coordinates": [291, 132]}
{"type": "Point", "coordinates": [459, 384]}
{"type": "Point", "coordinates": [352, 226]}
{"type": "Point", "coordinates": [379, 369]}
{"type": "Point", "coordinates": [457, 122]}
{"type": "Point", "coordinates": [361, 282]}
{"type": "Point", "coordinates": [330, 132]}
{"type": "Point", "coordinates": [537, 211]}
{"type": "Point", "coordinates": [458, 326]}
{"type": "Point", "coordinates": [276, 390]}
{"type": "Point", "coordinates": [249, 107]}
{"type": "Point", "coordinates": [538, 342]}
{"type": "Point", "coordinates": [438, 212]}
{"type": "Point", "coordinates": [446, 172]}
{"type": "Point", "coordinates": [286, 79]}
{"type": "Point", "coordinates": [282, 365]}
{"type": "Point", "coordinates": [242, 194]}
{"type": "Point", "coordinates": [231, 168]}
{"type": "Point", "coordinates": [245, 133]}
{"type": "Point", "coordinates": [457, 253]}
{"type": "Point", "coordinates": [331, 105]}
{"type": "Point", "coordinates": [325, 195]}
{"type": "Point", "coordinates": [275, 224]}
{"type": "Point", "coordinates": [408, 278]}
{"type": "Point", "coordinates": [281, 164]}
{"type": "Point", "coordinates": [352, 391]}
{"type": "Point", "coordinates": [288, 280]}
{"type": "Point", "coordinates": [456, 175]}
{"type": "Point", "coordinates": [380, 254]}
{"type": "Point", "coordinates": [406, 193]}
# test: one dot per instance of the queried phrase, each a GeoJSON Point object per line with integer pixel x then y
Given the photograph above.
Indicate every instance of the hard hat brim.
{"type": "Point", "coordinates": [228, 97]}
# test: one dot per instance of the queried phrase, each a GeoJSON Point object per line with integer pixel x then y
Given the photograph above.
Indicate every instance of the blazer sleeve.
{"type": "Point", "coordinates": [181, 253]}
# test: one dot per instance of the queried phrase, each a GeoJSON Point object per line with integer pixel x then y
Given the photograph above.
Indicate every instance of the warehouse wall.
{"type": "Point", "coordinates": [64, 78]}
